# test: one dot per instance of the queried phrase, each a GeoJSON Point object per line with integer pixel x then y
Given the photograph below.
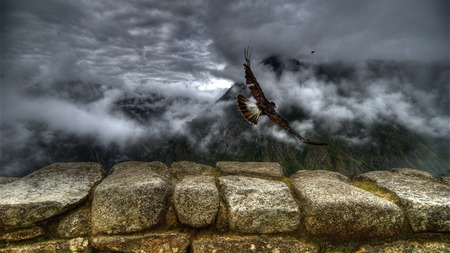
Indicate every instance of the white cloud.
{"type": "Point", "coordinates": [392, 96]}
{"type": "Point", "coordinates": [91, 120]}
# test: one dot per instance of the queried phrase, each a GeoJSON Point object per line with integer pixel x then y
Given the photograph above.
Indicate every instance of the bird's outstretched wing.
{"type": "Point", "coordinates": [249, 110]}
{"type": "Point", "coordinates": [252, 111]}
{"type": "Point", "coordinates": [285, 125]}
{"type": "Point", "coordinates": [250, 79]}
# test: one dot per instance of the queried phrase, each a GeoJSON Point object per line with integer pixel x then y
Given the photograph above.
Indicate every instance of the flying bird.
{"type": "Point", "coordinates": [252, 111]}
{"type": "Point", "coordinates": [312, 52]}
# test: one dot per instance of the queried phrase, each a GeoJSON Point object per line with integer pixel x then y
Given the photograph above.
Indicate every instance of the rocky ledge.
{"type": "Point", "coordinates": [235, 207]}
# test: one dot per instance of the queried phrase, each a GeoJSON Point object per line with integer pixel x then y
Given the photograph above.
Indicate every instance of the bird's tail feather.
{"type": "Point", "coordinates": [249, 110]}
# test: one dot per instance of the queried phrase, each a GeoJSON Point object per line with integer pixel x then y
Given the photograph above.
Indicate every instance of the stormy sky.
{"type": "Point", "coordinates": [194, 49]}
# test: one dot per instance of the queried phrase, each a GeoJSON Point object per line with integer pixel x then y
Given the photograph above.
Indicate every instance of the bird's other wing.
{"type": "Point", "coordinates": [285, 125]}
{"type": "Point", "coordinates": [248, 109]}
{"type": "Point", "coordinates": [250, 79]}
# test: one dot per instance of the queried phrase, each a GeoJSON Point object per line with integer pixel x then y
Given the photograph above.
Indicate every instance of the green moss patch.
{"type": "Point", "coordinates": [376, 190]}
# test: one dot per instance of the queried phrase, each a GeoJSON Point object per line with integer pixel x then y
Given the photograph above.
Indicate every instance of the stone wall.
{"type": "Point", "coordinates": [234, 207]}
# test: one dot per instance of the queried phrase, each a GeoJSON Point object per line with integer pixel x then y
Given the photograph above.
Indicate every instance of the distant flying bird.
{"type": "Point", "coordinates": [252, 111]}
{"type": "Point", "coordinates": [312, 52]}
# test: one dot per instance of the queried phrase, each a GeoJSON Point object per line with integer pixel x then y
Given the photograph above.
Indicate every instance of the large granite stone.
{"type": "Point", "coordinates": [251, 244]}
{"type": "Point", "coordinates": [132, 198]}
{"type": "Point", "coordinates": [172, 241]}
{"type": "Point", "coordinates": [407, 246]}
{"type": "Point", "coordinates": [425, 202]}
{"type": "Point", "coordinates": [259, 169]}
{"type": "Point", "coordinates": [47, 192]}
{"type": "Point", "coordinates": [258, 205]}
{"type": "Point", "coordinates": [337, 210]}
{"type": "Point", "coordinates": [53, 246]}
{"type": "Point", "coordinates": [196, 200]}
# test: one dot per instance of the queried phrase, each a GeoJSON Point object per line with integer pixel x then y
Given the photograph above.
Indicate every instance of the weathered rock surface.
{"type": "Point", "coordinates": [407, 246]}
{"type": "Point", "coordinates": [196, 200]}
{"type": "Point", "coordinates": [46, 192]}
{"type": "Point", "coordinates": [221, 223]}
{"type": "Point", "coordinates": [258, 205]}
{"type": "Point", "coordinates": [337, 210]}
{"type": "Point", "coordinates": [165, 242]}
{"type": "Point", "coordinates": [156, 167]}
{"type": "Point", "coordinates": [446, 180]}
{"type": "Point", "coordinates": [323, 174]}
{"type": "Point", "coordinates": [259, 169]}
{"type": "Point", "coordinates": [22, 234]}
{"type": "Point", "coordinates": [75, 224]}
{"type": "Point", "coordinates": [134, 197]}
{"type": "Point", "coordinates": [425, 202]}
{"type": "Point", "coordinates": [53, 246]}
{"type": "Point", "coordinates": [187, 168]}
{"type": "Point", "coordinates": [5, 180]}
{"type": "Point", "coordinates": [414, 173]}
{"type": "Point", "coordinates": [250, 244]}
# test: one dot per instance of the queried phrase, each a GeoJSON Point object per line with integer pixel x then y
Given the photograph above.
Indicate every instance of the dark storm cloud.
{"type": "Point", "coordinates": [336, 30]}
{"type": "Point", "coordinates": [175, 40]}
{"type": "Point", "coordinates": [121, 38]}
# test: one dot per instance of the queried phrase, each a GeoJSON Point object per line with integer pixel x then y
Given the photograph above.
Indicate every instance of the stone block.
{"type": "Point", "coordinates": [407, 246]}
{"type": "Point", "coordinates": [259, 206]}
{"type": "Point", "coordinates": [47, 192]}
{"type": "Point", "coordinates": [251, 244]}
{"type": "Point", "coordinates": [336, 210]}
{"type": "Point", "coordinates": [75, 224]}
{"type": "Point", "coordinates": [164, 242]}
{"type": "Point", "coordinates": [22, 234]}
{"type": "Point", "coordinates": [425, 201]}
{"type": "Point", "coordinates": [79, 244]}
{"type": "Point", "coordinates": [196, 201]}
{"type": "Point", "coordinates": [132, 198]}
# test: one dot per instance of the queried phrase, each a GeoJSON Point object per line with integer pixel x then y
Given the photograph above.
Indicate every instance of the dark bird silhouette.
{"type": "Point", "coordinates": [312, 52]}
{"type": "Point", "coordinates": [252, 111]}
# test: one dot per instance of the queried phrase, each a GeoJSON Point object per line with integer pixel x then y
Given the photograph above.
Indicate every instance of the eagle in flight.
{"type": "Point", "coordinates": [252, 111]}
